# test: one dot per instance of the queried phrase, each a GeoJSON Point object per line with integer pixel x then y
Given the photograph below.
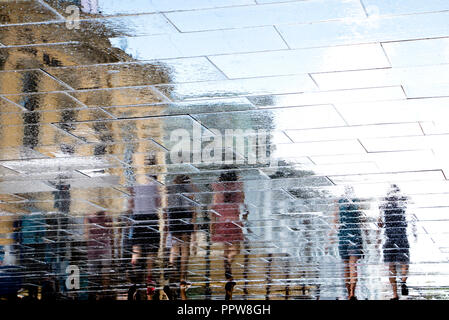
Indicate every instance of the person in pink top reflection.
{"type": "Point", "coordinates": [226, 226]}
{"type": "Point", "coordinates": [99, 250]}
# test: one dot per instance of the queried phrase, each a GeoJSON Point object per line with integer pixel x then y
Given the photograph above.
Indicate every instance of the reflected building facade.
{"type": "Point", "coordinates": [45, 227]}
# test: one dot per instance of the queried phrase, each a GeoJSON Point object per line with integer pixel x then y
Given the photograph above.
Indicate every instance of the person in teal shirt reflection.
{"type": "Point", "coordinates": [349, 218]}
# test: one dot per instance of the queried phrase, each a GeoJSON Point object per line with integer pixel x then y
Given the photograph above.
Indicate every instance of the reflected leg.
{"type": "Point", "coordinates": [229, 287]}
{"type": "Point", "coordinates": [150, 261]}
{"type": "Point", "coordinates": [352, 275]}
{"type": "Point", "coordinates": [182, 290]}
{"type": "Point", "coordinates": [404, 272]}
{"type": "Point", "coordinates": [392, 278]}
{"type": "Point", "coordinates": [234, 250]}
{"type": "Point", "coordinates": [347, 276]}
{"type": "Point", "coordinates": [134, 272]}
{"type": "Point", "coordinates": [230, 251]}
{"type": "Point", "coordinates": [185, 253]}
{"type": "Point", "coordinates": [149, 269]}
{"type": "Point", "coordinates": [105, 271]}
{"type": "Point", "coordinates": [175, 253]}
{"type": "Point", "coordinates": [136, 264]}
{"type": "Point", "coordinates": [136, 254]}
{"type": "Point", "coordinates": [227, 265]}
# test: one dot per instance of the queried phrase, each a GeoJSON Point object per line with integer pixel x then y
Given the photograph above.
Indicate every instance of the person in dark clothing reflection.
{"type": "Point", "coordinates": [396, 247]}
{"type": "Point", "coordinates": [145, 236]}
{"type": "Point", "coordinates": [180, 219]}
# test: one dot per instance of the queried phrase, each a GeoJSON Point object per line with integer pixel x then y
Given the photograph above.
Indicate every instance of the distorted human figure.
{"type": "Point", "coordinates": [226, 227]}
{"type": "Point", "coordinates": [349, 220]}
{"type": "Point", "coordinates": [99, 249]}
{"type": "Point", "coordinates": [183, 288]}
{"type": "Point", "coordinates": [145, 236]}
{"type": "Point", "coordinates": [396, 251]}
{"type": "Point", "coordinates": [180, 218]}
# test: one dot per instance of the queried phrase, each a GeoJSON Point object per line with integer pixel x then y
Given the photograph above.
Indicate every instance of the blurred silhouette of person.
{"type": "Point", "coordinates": [226, 226]}
{"type": "Point", "coordinates": [180, 217]}
{"type": "Point", "coordinates": [349, 219]}
{"type": "Point", "coordinates": [99, 248]}
{"type": "Point", "coordinates": [396, 247]}
{"type": "Point", "coordinates": [145, 236]}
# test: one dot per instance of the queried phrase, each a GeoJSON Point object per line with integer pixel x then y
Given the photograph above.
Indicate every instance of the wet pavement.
{"type": "Point", "coordinates": [143, 143]}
